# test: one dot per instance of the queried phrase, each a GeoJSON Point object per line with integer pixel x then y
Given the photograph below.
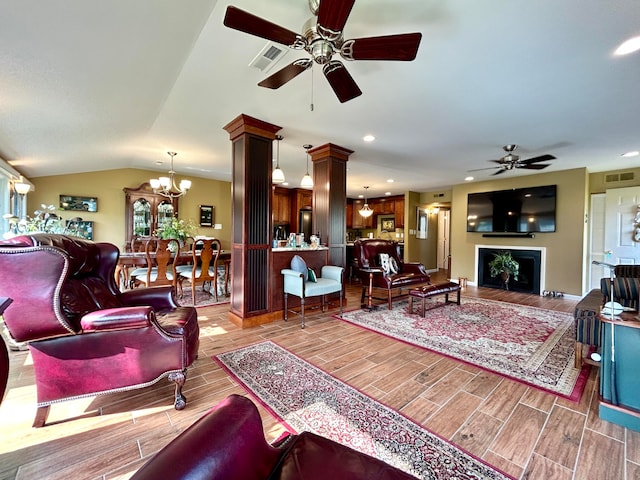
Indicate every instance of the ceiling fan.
{"type": "Point", "coordinates": [322, 38]}
{"type": "Point", "coordinates": [511, 161]}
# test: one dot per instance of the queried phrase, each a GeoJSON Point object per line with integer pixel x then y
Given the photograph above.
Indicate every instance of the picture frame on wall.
{"type": "Point", "coordinates": [388, 224]}
{"type": "Point", "coordinates": [79, 204]}
{"type": "Point", "coordinates": [422, 223]}
{"type": "Point", "coordinates": [206, 215]}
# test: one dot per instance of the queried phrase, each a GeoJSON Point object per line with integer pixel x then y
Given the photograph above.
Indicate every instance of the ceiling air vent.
{"type": "Point", "coordinates": [268, 57]}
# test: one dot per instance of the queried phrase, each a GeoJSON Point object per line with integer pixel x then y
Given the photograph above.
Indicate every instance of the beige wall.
{"type": "Point", "coordinates": [565, 251]}
{"type": "Point", "coordinates": [107, 187]}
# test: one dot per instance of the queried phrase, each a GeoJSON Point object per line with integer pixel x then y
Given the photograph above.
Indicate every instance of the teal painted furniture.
{"type": "Point", "coordinates": [619, 379]}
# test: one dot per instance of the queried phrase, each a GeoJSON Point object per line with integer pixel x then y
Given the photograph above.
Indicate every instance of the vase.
{"type": "Point", "coordinates": [504, 276]}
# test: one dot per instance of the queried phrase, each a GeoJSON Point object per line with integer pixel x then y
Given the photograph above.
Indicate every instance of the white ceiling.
{"type": "Point", "coordinates": [91, 85]}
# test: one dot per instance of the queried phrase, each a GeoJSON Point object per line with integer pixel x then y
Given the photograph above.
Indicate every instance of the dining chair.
{"type": "Point", "coordinates": [162, 258]}
{"type": "Point", "coordinates": [204, 269]}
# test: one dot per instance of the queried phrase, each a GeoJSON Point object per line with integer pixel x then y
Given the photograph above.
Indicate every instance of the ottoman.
{"type": "Point", "coordinates": [431, 290]}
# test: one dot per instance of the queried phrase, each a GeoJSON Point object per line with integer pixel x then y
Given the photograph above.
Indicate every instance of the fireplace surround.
{"type": "Point", "coordinates": [532, 268]}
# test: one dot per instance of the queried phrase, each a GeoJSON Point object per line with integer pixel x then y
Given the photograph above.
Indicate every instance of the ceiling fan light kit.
{"type": "Point", "coordinates": [322, 38]}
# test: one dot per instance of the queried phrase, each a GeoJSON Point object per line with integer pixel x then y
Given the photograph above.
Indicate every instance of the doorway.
{"type": "Point", "coordinates": [444, 248]}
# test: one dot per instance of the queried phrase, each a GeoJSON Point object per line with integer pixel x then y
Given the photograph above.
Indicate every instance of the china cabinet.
{"type": "Point", "coordinates": [146, 211]}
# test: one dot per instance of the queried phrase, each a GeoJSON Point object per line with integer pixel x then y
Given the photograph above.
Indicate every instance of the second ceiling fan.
{"type": "Point", "coordinates": [322, 38]}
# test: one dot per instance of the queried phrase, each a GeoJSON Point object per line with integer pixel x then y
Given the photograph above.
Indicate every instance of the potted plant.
{"type": "Point", "coordinates": [178, 229]}
{"type": "Point", "coordinates": [504, 265]}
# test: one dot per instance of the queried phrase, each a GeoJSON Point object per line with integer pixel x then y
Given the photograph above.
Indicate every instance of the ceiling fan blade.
{"type": "Point", "coordinates": [480, 169]}
{"type": "Point", "coordinates": [332, 15]}
{"type": "Point", "coordinates": [285, 74]}
{"type": "Point", "coordinates": [401, 47]}
{"type": "Point", "coordinates": [254, 25]}
{"type": "Point", "coordinates": [500, 171]}
{"type": "Point", "coordinates": [541, 158]}
{"type": "Point", "coordinates": [535, 166]}
{"type": "Point", "coordinates": [342, 83]}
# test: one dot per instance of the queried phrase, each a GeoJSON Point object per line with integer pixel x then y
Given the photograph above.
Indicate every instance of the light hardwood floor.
{"type": "Point", "coordinates": [525, 432]}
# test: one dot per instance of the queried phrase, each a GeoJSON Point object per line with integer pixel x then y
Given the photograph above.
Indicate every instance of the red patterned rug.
{"type": "Point", "coordinates": [528, 344]}
{"type": "Point", "coordinates": [306, 398]}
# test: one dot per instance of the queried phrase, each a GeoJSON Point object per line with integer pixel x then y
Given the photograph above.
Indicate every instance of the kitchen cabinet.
{"type": "Point", "coordinates": [302, 199]}
{"type": "Point", "coordinates": [146, 211]}
{"type": "Point", "coordinates": [281, 205]}
{"type": "Point", "coordinates": [398, 210]}
{"type": "Point", "coordinates": [349, 213]}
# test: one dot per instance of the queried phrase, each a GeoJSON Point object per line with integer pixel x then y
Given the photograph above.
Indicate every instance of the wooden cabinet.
{"type": "Point", "coordinates": [349, 213]}
{"type": "Point", "coordinates": [281, 205]}
{"type": "Point", "coordinates": [146, 211]}
{"type": "Point", "coordinates": [302, 199]}
{"type": "Point", "coordinates": [305, 199]}
{"type": "Point", "coordinates": [399, 212]}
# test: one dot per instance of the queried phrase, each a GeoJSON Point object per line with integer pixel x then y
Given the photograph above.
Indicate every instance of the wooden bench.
{"type": "Point", "coordinates": [428, 291]}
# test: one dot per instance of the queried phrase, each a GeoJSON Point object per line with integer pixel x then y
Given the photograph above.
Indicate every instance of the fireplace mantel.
{"type": "Point", "coordinates": [543, 260]}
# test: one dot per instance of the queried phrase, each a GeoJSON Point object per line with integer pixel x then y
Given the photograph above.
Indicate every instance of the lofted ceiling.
{"type": "Point", "coordinates": [89, 85]}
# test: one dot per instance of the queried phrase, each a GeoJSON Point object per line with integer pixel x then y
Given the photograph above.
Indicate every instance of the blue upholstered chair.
{"type": "Point", "coordinates": [303, 283]}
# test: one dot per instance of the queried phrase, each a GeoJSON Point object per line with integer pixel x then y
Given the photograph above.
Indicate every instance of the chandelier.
{"type": "Point", "coordinates": [365, 211]}
{"type": "Point", "coordinates": [307, 181]}
{"type": "Point", "coordinates": [166, 186]}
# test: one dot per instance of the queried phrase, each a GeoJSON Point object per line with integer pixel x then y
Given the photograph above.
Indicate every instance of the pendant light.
{"type": "Point", "coordinates": [307, 181]}
{"type": "Point", "coordinates": [277, 176]}
{"type": "Point", "coordinates": [365, 211]}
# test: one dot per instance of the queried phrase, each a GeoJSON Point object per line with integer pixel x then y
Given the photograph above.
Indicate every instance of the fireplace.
{"type": "Point", "coordinates": [531, 275]}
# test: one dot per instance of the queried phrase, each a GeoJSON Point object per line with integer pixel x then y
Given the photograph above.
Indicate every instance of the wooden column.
{"type": "Point", "coordinates": [330, 198]}
{"type": "Point", "coordinates": [252, 141]}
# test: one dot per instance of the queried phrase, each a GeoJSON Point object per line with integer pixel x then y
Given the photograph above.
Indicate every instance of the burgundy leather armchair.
{"type": "Point", "coordinates": [368, 269]}
{"type": "Point", "coordinates": [85, 336]}
{"type": "Point", "coordinates": [228, 443]}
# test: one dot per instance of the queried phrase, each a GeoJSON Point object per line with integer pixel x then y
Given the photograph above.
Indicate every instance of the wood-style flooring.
{"type": "Point", "coordinates": [525, 432]}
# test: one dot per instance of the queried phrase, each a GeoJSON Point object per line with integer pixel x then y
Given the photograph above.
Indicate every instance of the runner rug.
{"type": "Point", "coordinates": [304, 397]}
{"type": "Point", "coordinates": [532, 345]}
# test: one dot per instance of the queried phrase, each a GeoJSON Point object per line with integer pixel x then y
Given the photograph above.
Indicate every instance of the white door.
{"type": "Point", "coordinates": [620, 224]}
{"type": "Point", "coordinates": [597, 240]}
{"type": "Point", "coordinates": [443, 238]}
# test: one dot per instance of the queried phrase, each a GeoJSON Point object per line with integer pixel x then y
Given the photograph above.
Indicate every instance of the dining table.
{"type": "Point", "coordinates": [127, 260]}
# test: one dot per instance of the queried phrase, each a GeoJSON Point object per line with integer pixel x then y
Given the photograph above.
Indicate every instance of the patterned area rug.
{"type": "Point", "coordinates": [203, 298]}
{"type": "Point", "coordinates": [528, 344]}
{"type": "Point", "coordinates": [307, 398]}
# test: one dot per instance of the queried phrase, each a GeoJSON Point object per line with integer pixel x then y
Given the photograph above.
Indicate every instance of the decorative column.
{"type": "Point", "coordinates": [330, 198]}
{"type": "Point", "coordinates": [252, 142]}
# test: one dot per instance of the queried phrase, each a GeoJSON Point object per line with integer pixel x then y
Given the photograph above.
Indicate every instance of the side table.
{"type": "Point", "coordinates": [371, 271]}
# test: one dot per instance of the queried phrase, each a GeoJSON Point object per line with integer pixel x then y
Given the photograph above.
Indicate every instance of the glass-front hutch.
{"type": "Point", "coordinates": [146, 211]}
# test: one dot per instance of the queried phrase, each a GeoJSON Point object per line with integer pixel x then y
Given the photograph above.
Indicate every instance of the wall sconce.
{"type": "Point", "coordinates": [434, 210]}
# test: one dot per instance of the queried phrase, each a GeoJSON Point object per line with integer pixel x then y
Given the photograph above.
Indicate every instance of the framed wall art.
{"type": "Point", "coordinates": [388, 224]}
{"type": "Point", "coordinates": [82, 204]}
{"type": "Point", "coordinates": [206, 215]}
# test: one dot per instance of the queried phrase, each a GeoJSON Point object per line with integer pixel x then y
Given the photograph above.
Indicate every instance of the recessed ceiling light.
{"type": "Point", "coordinates": [387, 193]}
{"type": "Point", "coordinates": [634, 153]}
{"type": "Point", "coordinates": [360, 196]}
{"type": "Point", "coordinates": [628, 46]}
{"type": "Point", "coordinates": [368, 138]}
{"type": "Point", "coordinates": [390, 180]}
{"type": "Point", "coordinates": [468, 179]}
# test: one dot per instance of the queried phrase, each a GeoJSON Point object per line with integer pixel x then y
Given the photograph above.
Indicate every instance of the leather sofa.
{"type": "Point", "coordinates": [228, 443]}
{"type": "Point", "coordinates": [85, 336]}
{"type": "Point", "coordinates": [368, 268]}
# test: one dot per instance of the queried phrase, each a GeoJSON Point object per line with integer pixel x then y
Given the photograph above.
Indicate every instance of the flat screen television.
{"type": "Point", "coordinates": [519, 210]}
